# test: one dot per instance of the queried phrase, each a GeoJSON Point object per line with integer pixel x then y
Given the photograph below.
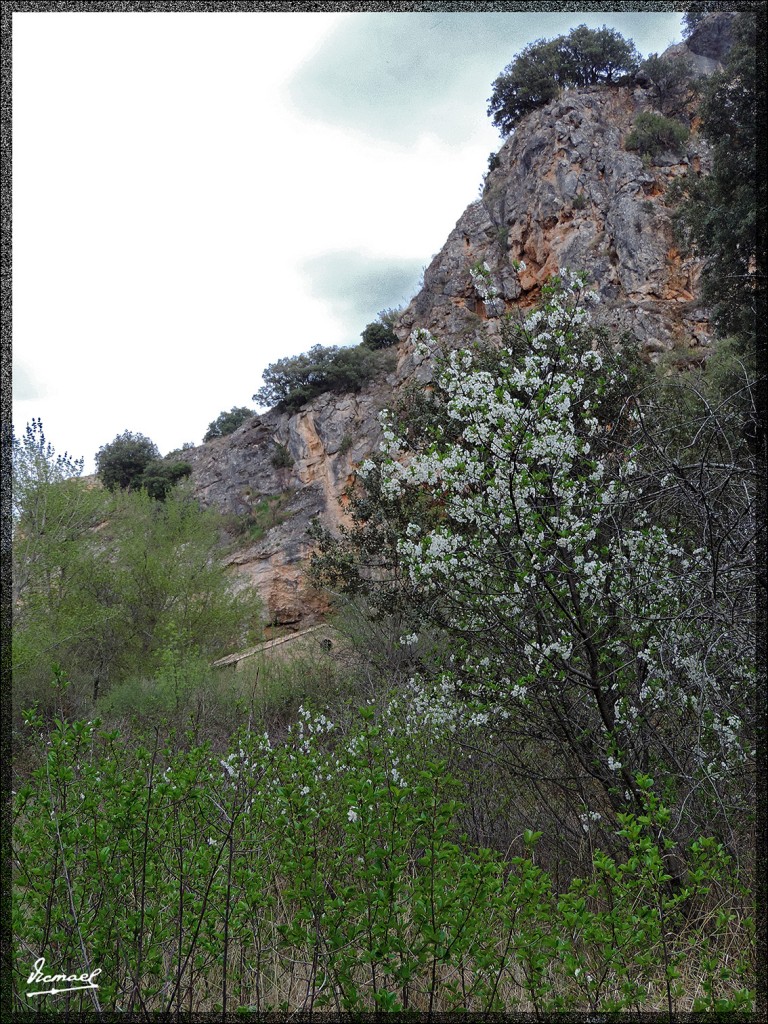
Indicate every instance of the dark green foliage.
{"type": "Point", "coordinates": [719, 215]}
{"type": "Point", "coordinates": [122, 461]}
{"type": "Point", "coordinates": [593, 56]}
{"type": "Point", "coordinates": [672, 82]}
{"type": "Point", "coordinates": [352, 368]}
{"type": "Point", "coordinates": [583, 57]}
{"type": "Point", "coordinates": [281, 457]}
{"type": "Point", "coordinates": [132, 462]}
{"type": "Point", "coordinates": [293, 380]}
{"type": "Point", "coordinates": [227, 422]}
{"type": "Point", "coordinates": [378, 335]}
{"type": "Point", "coordinates": [160, 476]}
{"type": "Point", "coordinates": [653, 134]}
{"type": "Point", "coordinates": [530, 81]}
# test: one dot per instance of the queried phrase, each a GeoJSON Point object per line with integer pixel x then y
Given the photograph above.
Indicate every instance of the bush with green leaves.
{"type": "Point", "coordinates": [160, 476]}
{"type": "Point", "coordinates": [270, 510]}
{"type": "Point", "coordinates": [536, 76]}
{"type": "Point", "coordinates": [379, 334]}
{"type": "Point", "coordinates": [121, 463]}
{"type": "Point", "coordinates": [133, 462]}
{"type": "Point", "coordinates": [35, 465]}
{"type": "Point", "coordinates": [228, 422]}
{"type": "Point", "coordinates": [672, 82]}
{"type": "Point", "coordinates": [281, 457]}
{"type": "Point", "coordinates": [653, 134]}
{"type": "Point", "coordinates": [326, 872]}
{"type": "Point", "coordinates": [294, 380]}
{"type": "Point", "coordinates": [106, 580]}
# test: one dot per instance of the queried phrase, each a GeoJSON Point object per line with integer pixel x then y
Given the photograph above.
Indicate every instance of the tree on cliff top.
{"type": "Point", "coordinates": [583, 57]}
{"type": "Point", "coordinates": [123, 460]}
{"type": "Point", "coordinates": [228, 422]}
{"type": "Point", "coordinates": [293, 380]}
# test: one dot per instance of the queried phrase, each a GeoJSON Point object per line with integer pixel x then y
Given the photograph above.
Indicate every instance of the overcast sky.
{"type": "Point", "coordinates": [197, 195]}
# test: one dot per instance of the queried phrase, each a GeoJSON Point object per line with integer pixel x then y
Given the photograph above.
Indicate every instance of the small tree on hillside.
{"type": "Point", "coordinates": [583, 57]}
{"type": "Point", "coordinates": [378, 335]}
{"type": "Point", "coordinates": [36, 463]}
{"type": "Point", "coordinates": [672, 82]}
{"type": "Point", "coordinates": [228, 422]}
{"type": "Point", "coordinates": [598, 55]}
{"type": "Point", "coordinates": [160, 476]}
{"type": "Point", "coordinates": [653, 134]}
{"type": "Point", "coordinates": [293, 380]}
{"type": "Point", "coordinates": [122, 461]}
{"type": "Point", "coordinates": [529, 82]}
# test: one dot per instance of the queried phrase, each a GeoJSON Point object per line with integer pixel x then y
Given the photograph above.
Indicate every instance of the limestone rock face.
{"type": "Point", "coordinates": [565, 193]}
{"type": "Point", "coordinates": [245, 475]}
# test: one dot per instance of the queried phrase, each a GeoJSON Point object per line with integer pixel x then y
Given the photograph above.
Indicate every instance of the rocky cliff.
{"type": "Point", "coordinates": [564, 192]}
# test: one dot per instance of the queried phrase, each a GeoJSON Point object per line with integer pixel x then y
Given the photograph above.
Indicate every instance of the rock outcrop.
{"type": "Point", "coordinates": [304, 461]}
{"type": "Point", "coordinates": [564, 192]}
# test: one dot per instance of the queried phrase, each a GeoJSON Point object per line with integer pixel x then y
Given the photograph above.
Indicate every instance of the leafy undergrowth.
{"type": "Point", "coordinates": [327, 872]}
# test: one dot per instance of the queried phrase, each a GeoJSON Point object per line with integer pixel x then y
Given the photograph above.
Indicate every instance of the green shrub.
{"type": "Point", "coordinates": [227, 422]}
{"type": "Point", "coordinates": [378, 335]}
{"type": "Point", "coordinates": [122, 461]}
{"type": "Point", "coordinates": [653, 134]}
{"type": "Point", "coordinates": [294, 380]}
{"type": "Point", "coordinates": [672, 81]}
{"type": "Point", "coordinates": [316, 873]}
{"type": "Point", "coordinates": [281, 457]}
{"type": "Point", "coordinates": [583, 57]}
{"type": "Point", "coordinates": [160, 476]}
{"type": "Point", "coordinates": [269, 512]}
{"type": "Point", "coordinates": [107, 580]}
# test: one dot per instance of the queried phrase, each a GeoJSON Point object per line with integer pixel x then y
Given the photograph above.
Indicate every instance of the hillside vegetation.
{"type": "Point", "coordinates": [518, 771]}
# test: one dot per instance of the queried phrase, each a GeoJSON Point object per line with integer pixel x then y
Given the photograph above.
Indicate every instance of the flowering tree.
{"type": "Point", "coordinates": [573, 615]}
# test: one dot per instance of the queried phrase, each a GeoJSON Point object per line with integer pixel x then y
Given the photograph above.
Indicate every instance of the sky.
{"type": "Point", "coordinates": [196, 195]}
